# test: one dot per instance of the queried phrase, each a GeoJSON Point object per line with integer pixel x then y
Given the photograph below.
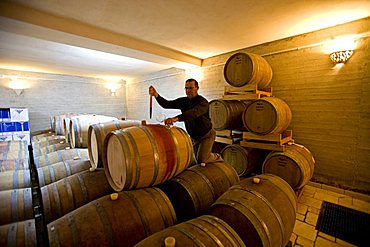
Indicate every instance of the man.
{"type": "Point", "coordinates": [195, 114]}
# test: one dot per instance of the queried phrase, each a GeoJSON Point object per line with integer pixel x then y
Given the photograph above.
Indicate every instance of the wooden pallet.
{"type": "Point", "coordinates": [229, 136]}
{"type": "Point", "coordinates": [249, 91]}
{"type": "Point", "coordinates": [274, 142]}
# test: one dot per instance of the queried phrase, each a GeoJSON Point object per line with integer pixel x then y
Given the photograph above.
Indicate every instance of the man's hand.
{"type": "Point", "coordinates": [171, 120]}
{"type": "Point", "coordinates": [153, 92]}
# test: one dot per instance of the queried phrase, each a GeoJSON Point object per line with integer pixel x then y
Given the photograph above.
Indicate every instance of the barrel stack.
{"type": "Point", "coordinates": [253, 124]}
{"type": "Point", "coordinates": [17, 221]}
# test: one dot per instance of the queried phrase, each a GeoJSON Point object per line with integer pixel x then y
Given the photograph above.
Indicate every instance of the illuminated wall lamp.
{"type": "Point", "coordinates": [341, 56]}
{"type": "Point", "coordinates": [113, 88]}
{"type": "Point", "coordinates": [17, 86]}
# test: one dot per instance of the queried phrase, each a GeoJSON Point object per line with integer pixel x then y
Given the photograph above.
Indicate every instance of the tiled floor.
{"type": "Point", "coordinates": [309, 204]}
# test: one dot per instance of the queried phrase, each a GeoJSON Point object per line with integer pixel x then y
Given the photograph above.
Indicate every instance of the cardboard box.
{"type": "Point", "coordinates": [19, 114]}
{"type": "Point", "coordinates": [14, 126]}
{"type": "Point", "coordinates": [4, 114]}
{"type": "Point", "coordinates": [6, 137]}
{"type": "Point", "coordinates": [22, 136]}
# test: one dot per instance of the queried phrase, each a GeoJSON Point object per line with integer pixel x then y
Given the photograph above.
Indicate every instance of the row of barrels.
{"type": "Point", "coordinates": [269, 115]}
{"type": "Point", "coordinates": [247, 214]}
{"type": "Point", "coordinates": [174, 157]}
{"type": "Point", "coordinates": [295, 164]}
{"type": "Point", "coordinates": [17, 222]}
{"type": "Point", "coordinates": [54, 161]}
{"type": "Point", "coordinates": [68, 197]}
{"type": "Point", "coordinates": [121, 146]}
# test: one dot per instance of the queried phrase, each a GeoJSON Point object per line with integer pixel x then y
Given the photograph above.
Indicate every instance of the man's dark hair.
{"type": "Point", "coordinates": [195, 81]}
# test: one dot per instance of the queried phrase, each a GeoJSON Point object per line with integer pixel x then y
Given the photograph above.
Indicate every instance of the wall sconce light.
{"type": "Point", "coordinates": [17, 86]}
{"type": "Point", "coordinates": [113, 88]}
{"type": "Point", "coordinates": [341, 56]}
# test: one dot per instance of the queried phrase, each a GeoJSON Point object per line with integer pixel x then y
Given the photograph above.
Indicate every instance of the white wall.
{"type": "Point", "coordinates": [49, 95]}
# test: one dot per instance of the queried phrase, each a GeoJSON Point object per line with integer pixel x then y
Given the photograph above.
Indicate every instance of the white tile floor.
{"type": "Point", "coordinates": [309, 204]}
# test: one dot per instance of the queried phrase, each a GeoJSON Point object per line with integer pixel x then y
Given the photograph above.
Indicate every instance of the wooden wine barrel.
{"type": "Point", "coordinates": [36, 136]}
{"type": "Point", "coordinates": [125, 221]}
{"type": "Point", "coordinates": [45, 143]}
{"type": "Point", "coordinates": [295, 165]}
{"type": "Point", "coordinates": [52, 173]}
{"type": "Point", "coordinates": [267, 115]}
{"type": "Point", "coordinates": [37, 139]}
{"type": "Point", "coordinates": [205, 230]}
{"type": "Point", "coordinates": [243, 160]}
{"type": "Point", "coordinates": [61, 155]}
{"type": "Point", "coordinates": [193, 191]}
{"type": "Point", "coordinates": [21, 233]}
{"type": "Point", "coordinates": [79, 126]}
{"type": "Point", "coordinates": [15, 179]}
{"type": "Point", "coordinates": [16, 205]}
{"type": "Point", "coordinates": [247, 68]}
{"type": "Point", "coordinates": [67, 131]}
{"type": "Point", "coordinates": [72, 192]}
{"type": "Point", "coordinates": [143, 156]}
{"type": "Point", "coordinates": [49, 149]}
{"type": "Point", "coordinates": [263, 212]}
{"type": "Point", "coordinates": [227, 114]}
{"type": "Point", "coordinates": [13, 150]}
{"type": "Point", "coordinates": [14, 165]}
{"type": "Point", "coordinates": [58, 123]}
{"type": "Point", "coordinates": [96, 135]}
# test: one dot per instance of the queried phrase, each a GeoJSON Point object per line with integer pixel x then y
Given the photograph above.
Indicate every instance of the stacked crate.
{"type": "Point", "coordinates": [14, 124]}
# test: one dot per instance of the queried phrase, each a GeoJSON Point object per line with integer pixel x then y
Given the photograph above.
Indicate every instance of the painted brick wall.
{"type": "Point", "coordinates": [330, 105]}
{"type": "Point", "coordinates": [50, 95]}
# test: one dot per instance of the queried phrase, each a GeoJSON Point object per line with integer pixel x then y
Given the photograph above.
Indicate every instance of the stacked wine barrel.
{"type": "Point", "coordinates": [149, 167]}
{"type": "Point", "coordinates": [17, 222]}
{"type": "Point", "coordinates": [261, 116]}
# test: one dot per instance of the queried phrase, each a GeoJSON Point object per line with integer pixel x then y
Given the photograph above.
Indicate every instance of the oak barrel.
{"type": "Point", "coordinates": [36, 136]}
{"type": "Point", "coordinates": [14, 164]}
{"type": "Point", "coordinates": [52, 173]}
{"type": "Point", "coordinates": [44, 143]}
{"type": "Point", "coordinates": [227, 114]}
{"type": "Point", "coordinates": [125, 221]}
{"type": "Point", "coordinates": [13, 150]}
{"type": "Point", "coordinates": [263, 212]}
{"type": "Point", "coordinates": [37, 139]}
{"type": "Point", "coordinates": [61, 155]}
{"type": "Point", "coordinates": [267, 115]}
{"type": "Point", "coordinates": [193, 191]}
{"type": "Point", "coordinates": [79, 126]}
{"type": "Point", "coordinates": [205, 230]}
{"type": "Point", "coordinates": [247, 68]}
{"type": "Point", "coordinates": [295, 165]}
{"type": "Point", "coordinates": [21, 233]}
{"type": "Point", "coordinates": [243, 160]}
{"type": "Point", "coordinates": [16, 205]}
{"type": "Point", "coordinates": [58, 123]}
{"type": "Point", "coordinates": [143, 156]}
{"type": "Point", "coordinates": [15, 179]}
{"type": "Point", "coordinates": [63, 196]}
{"type": "Point", "coordinates": [96, 135]}
{"type": "Point", "coordinates": [49, 149]}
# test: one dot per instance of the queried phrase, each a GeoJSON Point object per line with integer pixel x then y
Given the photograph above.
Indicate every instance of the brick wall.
{"type": "Point", "coordinates": [330, 105]}
{"type": "Point", "coordinates": [49, 95]}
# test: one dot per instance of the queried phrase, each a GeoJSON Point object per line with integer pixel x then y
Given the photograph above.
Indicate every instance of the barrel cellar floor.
{"type": "Point", "coordinates": [309, 204]}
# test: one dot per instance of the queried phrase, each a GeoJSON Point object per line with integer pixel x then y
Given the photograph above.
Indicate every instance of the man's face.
{"type": "Point", "coordinates": [191, 90]}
